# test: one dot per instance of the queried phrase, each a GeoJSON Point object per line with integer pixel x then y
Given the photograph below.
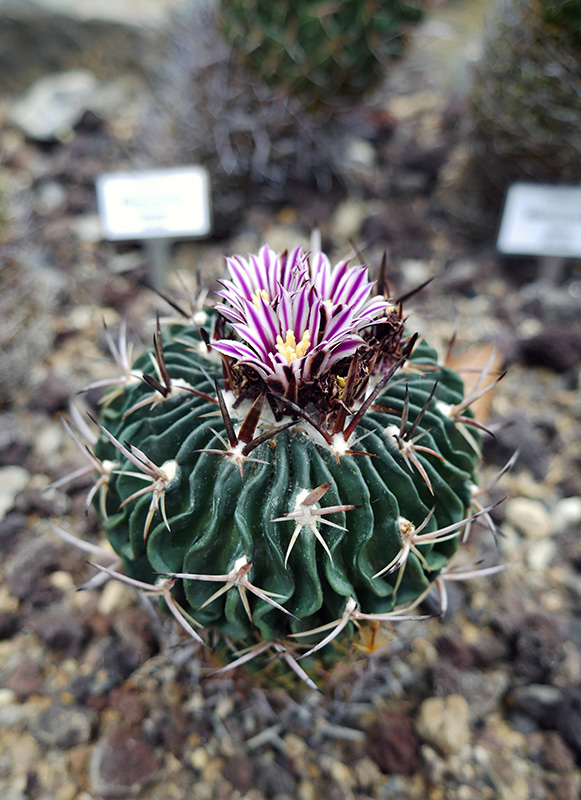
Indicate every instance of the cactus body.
{"type": "Point", "coordinates": [266, 94]}
{"type": "Point", "coordinates": [293, 496]}
{"type": "Point", "coordinates": [318, 51]}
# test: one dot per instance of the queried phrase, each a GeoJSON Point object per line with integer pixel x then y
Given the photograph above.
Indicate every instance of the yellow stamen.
{"type": "Point", "coordinates": [290, 349]}
{"type": "Point", "coordinates": [341, 383]}
{"type": "Point", "coordinates": [257, 295]}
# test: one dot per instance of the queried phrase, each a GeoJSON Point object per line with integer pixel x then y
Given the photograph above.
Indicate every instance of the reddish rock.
{"type": "Point", "coordinates": [121, 765]}
{"type": "Point", "coordinates": [239, 772]}
{"type": "Point", "coordinates": [26, 680]}
{"type": "Point", "coordinates": [128, 704]}
{"type": "Point", "coordinates": [393, 744]}
{"type": "Point", "coordinates": [456, 652]}
{"type": "Point", "coordinates": [555, 754]}
{"type": "Point", "coordinates": [60, 629]}
{"type": "Point", "coordinates": [167, 728]}
{"type": "Point", "coordinates": [538, 648]}
{"type": "Point", "coordinates": [567, 789]}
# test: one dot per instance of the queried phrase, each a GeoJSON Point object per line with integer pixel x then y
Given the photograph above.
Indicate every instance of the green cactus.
{"type": "Point", "coordinates": [319, 51]}
{"type": "Point", "coordinates": [524, 114]}
{"type": "Point", "coordinates": [564, 15]}
{"type": "Point", "coordinates": [291, 462]}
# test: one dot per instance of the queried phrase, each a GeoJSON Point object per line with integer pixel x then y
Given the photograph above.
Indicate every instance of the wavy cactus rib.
{"type": "Point", "coordinates": [326, 496]}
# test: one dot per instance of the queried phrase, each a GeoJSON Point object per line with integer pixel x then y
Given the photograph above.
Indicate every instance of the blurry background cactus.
{"type": "Point", "coordinates": [319, 51]}
{"type": "Point", "coordinates": [564, 15]}
{"type": "Point", "coordinates": [524, 119]}
{"type": "Point", "coordinates": [289, 466]}
{"type": "Point", "coordinates": [263, 94]}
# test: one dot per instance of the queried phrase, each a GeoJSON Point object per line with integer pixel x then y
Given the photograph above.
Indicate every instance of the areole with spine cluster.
{"type": "Point", "coordinates": [288, 465]}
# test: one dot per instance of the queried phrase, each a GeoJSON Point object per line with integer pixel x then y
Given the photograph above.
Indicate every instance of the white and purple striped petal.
{"type": "Point", "coordinates": [288, 309]}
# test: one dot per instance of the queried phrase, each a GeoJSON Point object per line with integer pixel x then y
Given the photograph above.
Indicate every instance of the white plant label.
{"type": "Point", "coordinates": [541, 220]}
{"type": "Point", "coordinates": [157, 204]}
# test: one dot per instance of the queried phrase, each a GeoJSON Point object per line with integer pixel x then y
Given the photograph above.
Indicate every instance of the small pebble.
{"type": "Point", "coordinates": [366, 774]}
{"type": "Point", "coordinates": [7, 697]}
{"type": "Point", "coordinates": [239, 772]}
{"type": "Point", "coordinates": [444, 723]}
{"type": "Point", "coordinates": [540, 554]}
{"type": "Point", "coordinates": [13, 479]}
{"type": "Point", "coordinates": [337, 771]}
{"type": "Point", "coordinates": [567, 514]}
{"type": "Point", "coordinates": [530, 517]}
{"type": "Point", "coordinates": [114, 596]}
{"type": "Point", "coordinates": [199, 758]}
{"type": "Point", "coordinates": [393, 744]}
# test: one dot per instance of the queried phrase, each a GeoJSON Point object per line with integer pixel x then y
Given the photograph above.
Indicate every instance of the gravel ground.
{"type": "Point", "coordinates": [101, 698]}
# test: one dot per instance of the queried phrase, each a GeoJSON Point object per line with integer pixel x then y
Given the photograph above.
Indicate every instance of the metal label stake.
{"type": "Point", "coordinates": [156, 208]}
{"type": "Point", "coordinates": [543, 221]}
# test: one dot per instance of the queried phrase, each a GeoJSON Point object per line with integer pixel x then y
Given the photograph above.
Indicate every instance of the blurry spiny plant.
{"type": "Point", "coordinates": [524, 120]}
{"type": "Point", "coordinates": [564, 15]}
{"type": "Point", "coordinates": [289, 469]}
{"type": "Point", "coordinates": [319, 51]}
{"type": "Point", "coordinates": [265, 93]}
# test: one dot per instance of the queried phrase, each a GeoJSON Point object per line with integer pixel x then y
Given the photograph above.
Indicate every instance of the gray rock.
{"type": "Point", "coordinates": [517, 432]}
{"type": "Point", "coordinates": [14, 444]}
{"type": "Point", "coordinates": [272, 779]}
{"type": "Point", "coordinates": [64, 726]}
{"type": "Point", "coordinates": [52, 197]}
{"type": "Point", "coordinates": [539, 648]}
{"type": "Point", "coordinates": [483, 690]}
{"type": "Point", "coordinates": [567, 718]}
{"type": "Point", "coordinates": [536, 701]}
{"type": "Point", "coordinates": [54, 104]}
{"type": "Point", "coordinates": [34, 559]}
{"type": "Point", "coordinates": [60, 629]}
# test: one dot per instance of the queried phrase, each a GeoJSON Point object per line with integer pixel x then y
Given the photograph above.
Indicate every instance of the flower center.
{"type": "Point", "coordinates": [290, 349]}
{"type": "Point", "coordinates": [260, 293]}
